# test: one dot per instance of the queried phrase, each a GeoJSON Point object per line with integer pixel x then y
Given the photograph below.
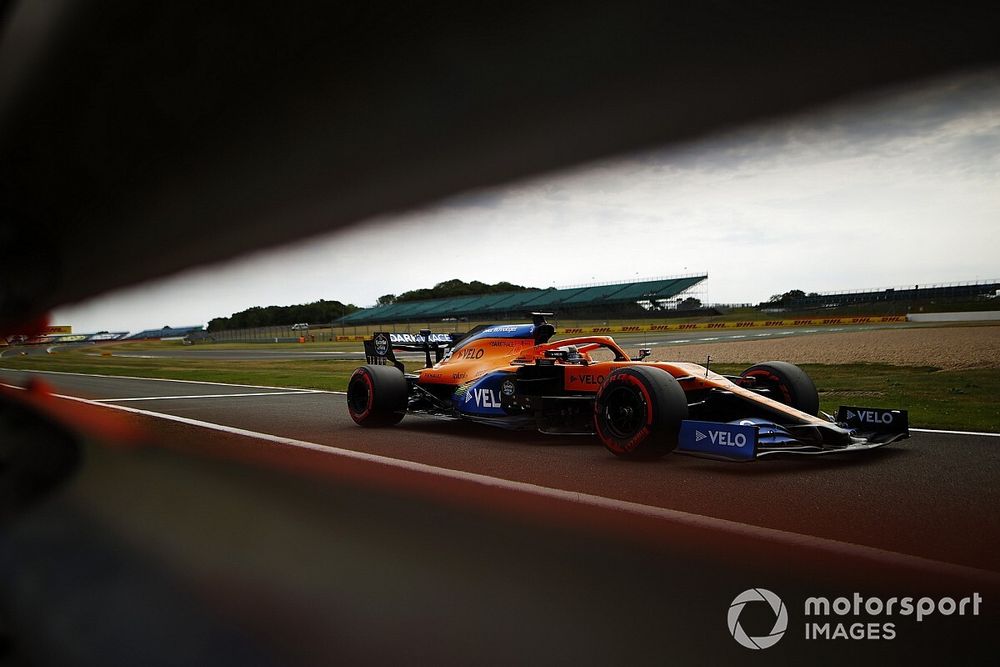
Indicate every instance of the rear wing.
{"type": "Point", "coordinates": [380, 349]}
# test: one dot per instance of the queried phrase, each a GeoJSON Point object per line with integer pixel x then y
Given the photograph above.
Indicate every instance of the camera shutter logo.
{"type": "Point", "coordinates": [780, 618]}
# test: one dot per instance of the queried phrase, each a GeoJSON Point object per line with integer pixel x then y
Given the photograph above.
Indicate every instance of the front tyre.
{"type": "Point", "coordinates": [377, 395]}
{"type": "Point", "coordinates": [786, 383]}
{"type": "Point", "coordinates": [638, 412]}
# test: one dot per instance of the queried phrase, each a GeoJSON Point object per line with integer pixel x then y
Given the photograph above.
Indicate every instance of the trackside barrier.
{"type": "Point", "coordinates": [352, 339]}
{"type": "Point", "coordinates": [748, 324]}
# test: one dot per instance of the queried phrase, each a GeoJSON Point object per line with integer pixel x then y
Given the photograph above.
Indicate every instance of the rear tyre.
{"type": "Point", "coordinates": [638, 412]}
{"type": "Point", "coordinates": [787, 383]}
{"type": "Point", "coordinates": [377, 395]}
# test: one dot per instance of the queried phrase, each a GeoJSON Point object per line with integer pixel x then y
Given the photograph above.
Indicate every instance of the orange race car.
{"type": "Point", "coordinates": [513, 376]}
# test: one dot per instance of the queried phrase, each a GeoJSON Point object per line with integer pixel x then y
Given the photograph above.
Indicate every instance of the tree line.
{"type": "Point", "coordinates": [449, 288]}
{"type": "Point", "coordinates": [324, 311]}
{"type": "Point", "coordinates": [786, 299]}
{"type": "Point", "coordinates": [269, 316]}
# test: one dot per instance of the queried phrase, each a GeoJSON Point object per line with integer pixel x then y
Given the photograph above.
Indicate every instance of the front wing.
{"type": "Point", "coordinates": [750, 439]}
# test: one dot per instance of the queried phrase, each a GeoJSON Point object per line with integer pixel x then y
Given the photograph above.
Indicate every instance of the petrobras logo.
{"type": "Point", "coordinates": [381, 344]}
{"type": "Point", "coordinates": [757, 596]}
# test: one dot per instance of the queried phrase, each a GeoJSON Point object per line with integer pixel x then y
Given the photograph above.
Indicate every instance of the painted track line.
{"type": "Point", "coordinates": [131, 377]}
{"type": "Point", "coordinates": [933, 430]}
{"type": "Point", "coordinates": [189, 396]}
{"type": "Point", "coordinates": [686, 519]}
{"type": "Point", "coordinates": [194, 354]}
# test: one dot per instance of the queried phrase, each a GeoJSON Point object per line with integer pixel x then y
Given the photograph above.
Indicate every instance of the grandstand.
{"type": "Point", "coordinates": [165, 332]}
{"type": "Point", "coordinates": [898, 295]}
{"type": "Point", "coordinates": [568, 301]}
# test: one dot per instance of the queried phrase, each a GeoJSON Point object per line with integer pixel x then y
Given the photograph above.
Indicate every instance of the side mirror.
{"type": "Point", "coordinates": [643, 353]}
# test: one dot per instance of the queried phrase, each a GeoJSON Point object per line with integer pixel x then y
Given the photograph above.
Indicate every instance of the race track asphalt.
{"type": "Point", "coordinates": [933, 496]}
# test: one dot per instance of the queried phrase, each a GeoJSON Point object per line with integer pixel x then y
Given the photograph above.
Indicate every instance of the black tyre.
{"type": "Point", "coordinates": [638, 412]}
{"type": "Point", "coordinates": [787, 383]}
{"type": "Point", "coordinates": [377, 395]}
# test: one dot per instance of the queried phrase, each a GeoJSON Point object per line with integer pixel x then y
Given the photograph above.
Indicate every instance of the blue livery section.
{"type": "Point", "coordinates": [501, 331]}
{"type": "Point", "coordinates": [733, 442]}
{"type": "Point", "coordinates": [768, 433]}
{"type": "Point", "coordinates": [874, 420]}
{"type": "Point", "coordinates": [482, 397]}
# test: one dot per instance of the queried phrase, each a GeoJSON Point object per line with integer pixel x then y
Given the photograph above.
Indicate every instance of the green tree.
{"type": "Point", "coordinates": [456, 287]}
{"type": "Point", "coordinates": [317, 312]}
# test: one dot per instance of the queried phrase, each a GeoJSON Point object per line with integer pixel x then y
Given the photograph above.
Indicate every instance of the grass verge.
{"type": "Point", "coordinates": [952, 399]}
{"type": "Point", "coordinates": [328, 374]}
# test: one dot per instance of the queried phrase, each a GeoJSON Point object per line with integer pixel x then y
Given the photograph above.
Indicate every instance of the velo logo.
{"type": "Point", "coordinates": [780, 618]}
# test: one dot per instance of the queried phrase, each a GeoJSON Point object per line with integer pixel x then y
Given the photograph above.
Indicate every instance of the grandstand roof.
{"type": "Point", "coordinates": [507, 303]}
{"type": "Point", "coordinates": [165, 332]}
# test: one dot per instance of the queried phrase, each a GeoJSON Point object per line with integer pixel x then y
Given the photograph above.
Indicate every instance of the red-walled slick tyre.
{"type": "Point", "coordinates": [377, 395]}
{"type": "Point", "coordinates": [787, 383]}
{"type": "Point", "coordinates": [638, 412]}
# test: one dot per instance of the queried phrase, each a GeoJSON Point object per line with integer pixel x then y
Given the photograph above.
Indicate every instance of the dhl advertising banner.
{"type": "Point", "coordinates": [59, 329]}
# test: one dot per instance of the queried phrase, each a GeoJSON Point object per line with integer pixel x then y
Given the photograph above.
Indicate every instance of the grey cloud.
{"type": "Point", "coordinates": [874, 124]}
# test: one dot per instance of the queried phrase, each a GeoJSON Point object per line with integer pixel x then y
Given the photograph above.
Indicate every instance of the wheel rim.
{"type": "Point", "coordinates": [624, 412]}
{"type": "Point", "coordinates": [357, 396]}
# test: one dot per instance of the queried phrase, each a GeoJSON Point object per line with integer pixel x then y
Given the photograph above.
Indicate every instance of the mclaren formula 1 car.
{"type": "Point", "coordinates": [513, 376]}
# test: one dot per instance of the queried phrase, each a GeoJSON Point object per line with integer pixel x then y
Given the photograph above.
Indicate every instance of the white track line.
{"type": "Point", "coordinates": [689, 519]}
{"type": "Point", "coordinates": [129, 377]}
{"type": "Point", "coordinates": [194, 355]}
{"type": "Point", "coordinates": [931, 430]}
{"type": "Point", "coordinates": [121, 356]}
{"type": "Point", "coordinates": [171, 398]}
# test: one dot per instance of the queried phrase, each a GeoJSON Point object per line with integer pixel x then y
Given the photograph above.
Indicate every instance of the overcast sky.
{"type": "Point", "coordinates": [901, 188]}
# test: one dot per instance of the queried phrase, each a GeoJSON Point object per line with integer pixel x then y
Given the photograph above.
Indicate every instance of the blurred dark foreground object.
{"type": "Point", "coordinates": [37, 455]}
{"type": "Point", "coordinates": [261, 554]}
{"type": "Point", "coordinates": [138, 139]}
